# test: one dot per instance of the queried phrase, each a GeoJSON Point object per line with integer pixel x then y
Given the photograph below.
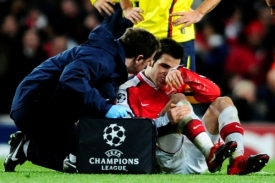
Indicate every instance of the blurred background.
{"type": "Point", "coordinates": [235, 47]}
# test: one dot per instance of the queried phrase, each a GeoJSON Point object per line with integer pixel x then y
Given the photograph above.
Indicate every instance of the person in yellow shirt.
{"type": "Point", "coordinates": [170, 18]}
{"type": "Point", "coordinates": [113, 17]}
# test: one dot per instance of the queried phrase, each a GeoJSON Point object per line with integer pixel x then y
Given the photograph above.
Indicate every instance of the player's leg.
{"type": "Point", "coordinates": [186, 160]}
{"type": "Point", "coordinates": [222, 118]}
{"type": "Point", "coordinates": [192, 127]}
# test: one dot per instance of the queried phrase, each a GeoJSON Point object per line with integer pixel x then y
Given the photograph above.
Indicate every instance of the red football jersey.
{"type": "Point", "coordinates": [143, 98]}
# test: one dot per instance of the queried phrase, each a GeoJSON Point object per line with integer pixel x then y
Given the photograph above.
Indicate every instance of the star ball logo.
{"type": "Point", "coordinates": [114, 135]}
{"type": "Point", "coordinates": [121, 97]}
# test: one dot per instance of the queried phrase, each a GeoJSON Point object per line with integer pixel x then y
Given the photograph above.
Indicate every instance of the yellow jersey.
{"type": "Point", "coordinates": [158, 22]}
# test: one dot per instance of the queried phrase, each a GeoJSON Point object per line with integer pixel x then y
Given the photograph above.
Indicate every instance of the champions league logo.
{"type": "Point", "coordinates": [114, 135]}
{"type": "Point", "coordinates": [121, 97]}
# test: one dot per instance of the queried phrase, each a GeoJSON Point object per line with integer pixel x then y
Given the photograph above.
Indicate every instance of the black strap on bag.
{"type": "Point", "coordinates": [116, 146]}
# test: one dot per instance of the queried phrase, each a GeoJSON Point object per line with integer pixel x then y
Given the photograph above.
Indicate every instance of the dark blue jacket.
{"type": "Point", "coordinates": [77, 72]}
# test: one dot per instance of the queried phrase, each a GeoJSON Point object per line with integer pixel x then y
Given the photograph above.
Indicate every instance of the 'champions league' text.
{"type": "Point", "coordinates": [114, 163]}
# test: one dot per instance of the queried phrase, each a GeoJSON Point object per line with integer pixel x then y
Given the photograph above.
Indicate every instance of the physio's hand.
{"type": "Point", "coordinates": [116, 111]}
{"type": "Point", "coordinates": [105, 6]}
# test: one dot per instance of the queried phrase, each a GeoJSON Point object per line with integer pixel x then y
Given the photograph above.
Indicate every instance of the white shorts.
{"type": "Point", "coordinates": [188, 160]}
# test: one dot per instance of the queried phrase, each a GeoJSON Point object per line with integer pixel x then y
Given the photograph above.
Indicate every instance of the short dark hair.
{"type": "Point", "coordinates": [138, 41]}
{"type": "Point", "coordinates": [169, 47]}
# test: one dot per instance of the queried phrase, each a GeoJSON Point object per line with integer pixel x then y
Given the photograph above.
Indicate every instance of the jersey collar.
{"type": "Point", "coordinates": [142, 77]}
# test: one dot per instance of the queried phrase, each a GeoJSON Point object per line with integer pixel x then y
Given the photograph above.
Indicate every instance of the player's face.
{"type": "Point", "coordinates": [161, 68]}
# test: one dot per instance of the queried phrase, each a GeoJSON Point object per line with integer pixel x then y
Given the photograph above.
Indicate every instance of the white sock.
{"type": "Point", "coordinates": [25, 148]}
{"type": "Point", "coordinates": [239, 139]}
{"type": "Point", "coordinates": [72, 158]}
{"type": "Point", "coordinates": [202, 140]}
{"type": "Point", "coordinates": [203, 143]}
{"type": "Point", "coordinates": [227, 116]}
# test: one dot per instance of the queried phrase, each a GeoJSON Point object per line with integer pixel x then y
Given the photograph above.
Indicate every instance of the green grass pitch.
{"type": "Point", "coordinates": [29, 173]}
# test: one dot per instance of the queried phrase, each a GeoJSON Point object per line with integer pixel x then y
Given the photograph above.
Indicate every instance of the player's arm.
{"type": "Point", "coordinates": [130, 12]}
{"type": "Point", "coordinates": [206, 6]}
{"type": "Point", "coordinates": [198, 89]}
{"type": "Point", "coordinates": [193, 16]}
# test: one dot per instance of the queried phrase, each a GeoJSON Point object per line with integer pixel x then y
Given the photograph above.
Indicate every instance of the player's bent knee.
{"type": "Point", "coordinates": [178, 97]}
{"type": "Point", "coordinates": [222, 101]}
